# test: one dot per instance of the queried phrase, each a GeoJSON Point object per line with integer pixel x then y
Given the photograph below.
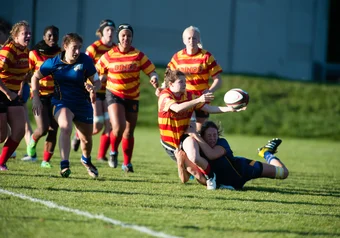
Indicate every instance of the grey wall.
{"type": "Point", "coordinates": [277, 37]}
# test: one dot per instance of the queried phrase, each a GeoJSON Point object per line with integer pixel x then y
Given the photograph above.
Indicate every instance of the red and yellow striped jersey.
{"type": "Point", "coordinates": [95, 51]}
{"type": "Point", "coordinates": [13, 66]}
{"type": "Point", "coordinates": [36, 59]}
{"type": "Point", "coordinates": [198, 69]}
{"type": "Point", "coordinates": [172, 125]}
{"type": "Point", "coordinates": [123, 71]}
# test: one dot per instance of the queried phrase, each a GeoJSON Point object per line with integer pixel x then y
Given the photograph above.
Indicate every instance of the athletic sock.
{"type": "Point", "coordinates": [86, 160]}
{"type": "Point", "coordinates": [127, 147]}
{"type": "Point", "coordinates": [207, 172]}
{"type": "Point", "coordinates": [8, 149]}
{"type": "Point", "coordinates": [268, 156]}
{"type": "Point", "coordinates": [47, 156]}
{"type": "Point", "coordinates": [103, 145]}
{"type": "Point", "coordinates": [115, 141]}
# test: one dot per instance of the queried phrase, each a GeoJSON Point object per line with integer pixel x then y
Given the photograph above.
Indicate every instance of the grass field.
{"type": "Point", "coordinates": [151, 202]}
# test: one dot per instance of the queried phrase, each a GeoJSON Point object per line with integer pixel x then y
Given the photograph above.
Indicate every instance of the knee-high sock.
{"type": "Point", "coordinates": [127, 146]}
{"type": "Point", "coordinates": [115, 141]}
{"type": "Point", "coordinates": [103, 145]}
{"type": "Point", "coordinates": [8, 149]}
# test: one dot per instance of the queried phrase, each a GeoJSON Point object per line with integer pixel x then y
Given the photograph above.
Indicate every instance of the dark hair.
{"type": "Point", "coordinates": [52, 28]}
{"type": "Point", "coordinates": [171, 76]}
{"type": "Point", "coordinates": [210, 124]}
{"type": "Point", "coordinates": [124, 26]}
{"type": "Point", "coordinates": [102, 25]}
{"type": "Point", "coordinates": [72, 37]}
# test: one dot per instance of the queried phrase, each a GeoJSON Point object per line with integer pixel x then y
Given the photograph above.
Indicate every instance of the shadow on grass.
{"type": "Point", "coordinates": [311, 192]}
{"type": "Point", "coordinates": [258, 231]}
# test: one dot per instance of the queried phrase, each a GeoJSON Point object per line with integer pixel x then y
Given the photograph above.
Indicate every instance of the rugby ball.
{"type": "Point", "coordinates": [236, 98]}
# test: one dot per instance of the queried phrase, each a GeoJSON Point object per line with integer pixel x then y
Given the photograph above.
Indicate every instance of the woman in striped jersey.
{"type": "Point", "coordinates": [13, 71]}
{"type": "Point", "coordinates": [46, 124]}
{"type": "Point", "coordinates": [175, 108]}
{"type": "Point", "coordinates": [100, 113]}
{"type": "Point", "coordinates": [199, 65]}
{"type": "Point", "coordinates": [120, 68]}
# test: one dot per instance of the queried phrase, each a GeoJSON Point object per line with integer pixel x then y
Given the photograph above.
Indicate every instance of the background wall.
{"type": "Point", "coordinates": [282, 38]}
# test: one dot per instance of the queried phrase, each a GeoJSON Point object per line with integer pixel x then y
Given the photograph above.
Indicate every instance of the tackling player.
{"type": "Point", "coordinates": [175, 108]}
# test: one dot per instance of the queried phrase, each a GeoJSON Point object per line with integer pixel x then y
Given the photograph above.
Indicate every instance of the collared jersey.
{"type": "Point", "coordinates": [172, 125]}
{"type": "Point", "coordinates": [198, 69]}
{"type": "Point", "coordinates": [13, 66]}
{"type": "Point", "coordinates": [123, 71]}
{"type": "Point", "coordinates": [95, 51]}
{"type": "Point", "coordinates": [36, 59]}
{"type": "Point", "coordinates": [69, 79]}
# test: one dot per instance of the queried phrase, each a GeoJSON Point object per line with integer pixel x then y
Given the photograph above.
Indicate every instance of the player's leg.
{"type": "Point", "coordinates": [98, 116]}
{"type": "Point", "coordinates": [85, 130]}
{"type": "Point", "coordinates": [186, 168]}
{"type": "Point", "coordinates": [191, 147]}
{"type": "Point", "coordinates": [274, 167]}
{"type": "Point", "coordinates": [64, 118]}
{"type": "Point", "coordinates": [104, 143]}
{"type": "Point", "coordinates": [116, 111]}
{"type": "Point", "coordinates": [128, 139]}
{"type": "Point", "coordinates": [51, 139]}
{"type": "Point", "coordinates": [14, 115]}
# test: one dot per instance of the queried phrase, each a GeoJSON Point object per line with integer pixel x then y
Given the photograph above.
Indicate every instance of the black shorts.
{"type": "Point", "coordinates": [130, 105]}
{"type": "Point", "coordinates": [5, 102]}
{"type": "Point", "coordinates": [201, 114]}
{"type": "Point", "coordinates": [100, 96]}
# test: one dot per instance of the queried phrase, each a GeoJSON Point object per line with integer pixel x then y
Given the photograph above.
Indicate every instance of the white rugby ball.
{"type": "Point", "coordinates": [236, 98]}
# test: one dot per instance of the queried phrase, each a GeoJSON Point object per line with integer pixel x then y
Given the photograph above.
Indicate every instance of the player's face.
{"type": "Point", "coordinates": [211, 136]}
{"type": "Point", "coordinates": [72, 50]}
{"type": "Point", "coordinates": [125, 38]}
{"type": "Point", "coordinates": [179, 85]}
{"type": "Point", "coordinates": [190, 39]}
{"type": "Point", "coordinates": [108, 33]}
{"type": "Point", "coordinates": [24, 36]}
{"type": "Point", "coordinates": [51, 37]}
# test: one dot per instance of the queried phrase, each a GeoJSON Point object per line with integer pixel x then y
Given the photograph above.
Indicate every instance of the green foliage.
{"type": "Point", "coordinates": [305, 204]}
{"type": "Point", "coordinates": [277, 107]}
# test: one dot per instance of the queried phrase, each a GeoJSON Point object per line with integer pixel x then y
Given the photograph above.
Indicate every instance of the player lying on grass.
{"type": "Point", "coordinates": [232, 172]}
{"type": "Point", "coordinates": [175, 108]}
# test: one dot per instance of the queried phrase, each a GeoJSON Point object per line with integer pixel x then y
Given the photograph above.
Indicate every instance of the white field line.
{"type": "Point", "coordinates": [49, 204]}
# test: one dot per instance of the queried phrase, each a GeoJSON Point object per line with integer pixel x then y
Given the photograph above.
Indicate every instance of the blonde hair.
{"type": "Point", "coordinates": [197, 30]}
{"type": "Point", "coordinates": [15, 30]}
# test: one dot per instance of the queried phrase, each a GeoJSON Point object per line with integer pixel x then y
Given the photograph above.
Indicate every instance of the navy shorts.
{"type": "Point", "coordinates": [100, 96]}
{"type": "Point", "coordinates": [129, 105]}
{"type": "Point", "coordinates": [235, 172]}
{"type": "Point", "coordinates": [201, 114]}
{"type": "Point", "coordinates": [82, 112]}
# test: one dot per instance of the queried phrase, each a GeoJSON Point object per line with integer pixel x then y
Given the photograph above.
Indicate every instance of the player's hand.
{"type": "Point", "coordinates": [231, 109]}
{"type": "Point", "coordinates": [158, 91]}
{"type": "Point", "coordinates": [36, 106]}
{"type": "Point", "coordinates": [206, 97]}
{"type": "Point", "coordinates": [154, 81]}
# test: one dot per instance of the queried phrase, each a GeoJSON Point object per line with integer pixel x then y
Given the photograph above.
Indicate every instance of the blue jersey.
{"type": "Point", "coordinates": [69, 79]}
{"type": "Point", "coordinates": [234, 171]}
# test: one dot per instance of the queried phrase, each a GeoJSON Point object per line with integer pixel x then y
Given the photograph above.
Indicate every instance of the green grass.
{"type": "Point", "coordinates": [305, 204]}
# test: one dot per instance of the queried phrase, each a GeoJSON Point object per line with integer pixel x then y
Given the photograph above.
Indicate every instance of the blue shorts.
{"type": "Point", "coordinates": [26, 91]}
{"type": "Point", "coordinates": [82, 112]}
{"type": "Point", "coordinates": [235, 172]}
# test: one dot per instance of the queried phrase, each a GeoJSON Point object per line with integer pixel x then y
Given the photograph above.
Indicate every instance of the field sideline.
{"type": "Point", "coordinates": [153, 200]}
